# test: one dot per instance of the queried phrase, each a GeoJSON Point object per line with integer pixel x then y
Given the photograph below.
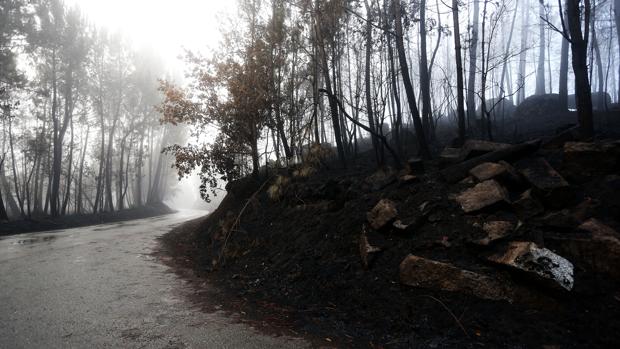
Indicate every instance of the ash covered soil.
{"type": "Point", "coordinates": [483, 247]}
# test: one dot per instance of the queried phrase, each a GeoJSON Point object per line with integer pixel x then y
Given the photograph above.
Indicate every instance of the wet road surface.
{"type": "Point", "coordinates": [99, 286]}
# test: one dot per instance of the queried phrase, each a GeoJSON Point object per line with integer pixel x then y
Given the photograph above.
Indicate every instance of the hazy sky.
{"type": "Point", "coordinates": [165, 25]}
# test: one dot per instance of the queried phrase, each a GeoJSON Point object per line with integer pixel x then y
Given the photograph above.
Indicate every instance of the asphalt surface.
{"type": "Point", "coordinates": [100, 287]}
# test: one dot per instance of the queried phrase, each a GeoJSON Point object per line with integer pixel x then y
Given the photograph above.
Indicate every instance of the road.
{"type": "Point", "coordinates": [100, 286]}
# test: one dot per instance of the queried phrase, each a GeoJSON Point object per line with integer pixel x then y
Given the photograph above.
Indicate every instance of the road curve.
{"type": "Point", "coordinates": [99, 286]}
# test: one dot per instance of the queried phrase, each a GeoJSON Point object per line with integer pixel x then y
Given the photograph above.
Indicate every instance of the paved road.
{"type": "Point", "coordinates": [99, 286]}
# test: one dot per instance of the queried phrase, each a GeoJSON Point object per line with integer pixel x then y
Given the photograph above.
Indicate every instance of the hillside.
{"type": "Point", "coordinates": [490, 245]}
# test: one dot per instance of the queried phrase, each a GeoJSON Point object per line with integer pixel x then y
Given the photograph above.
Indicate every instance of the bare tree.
{"type": "Point", "coordinates": [404, 67]}
{"type": "Point", "coordinates": [540, 71]}
{"type": "Point", "coordinates": [473, 52]}
{"type": "Point", "coordinates": [579, 48]}
{"type": "Point", "coordinates": [460, 109]}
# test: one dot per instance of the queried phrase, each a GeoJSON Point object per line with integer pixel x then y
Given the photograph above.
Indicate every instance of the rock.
{"type": "Point", "coordinates": [366, 250]}
{"type": "Point", "coordinates": [538, 107]}
{"type": "Point", "coordinates": [458, 171]}
{"type": "Point", "coordinates": [563, 220]}
{"type": "Point", "coordinates": [541, 263]}
{"type": "Point", "coordinates": [482, 195]}
{"type": "Point", "coordinates": [583, 160]}
{"type": "Point", "coordinates": [599, 252]}
{"type": "Point", "coordinates": [468, 180]}
{"type": "Point", "coordinates": [451, 155]}
{"type": "Point", "coordinates": [495, 230]}
{"type": "Point", "coordinates": [598, 229]}
{"type": "Point", "coordinates": [528, 206]}
{"type": "Point", "coordinates": [600, 101]}
{"type": "Point", "coordinates": [425, 273]}
{"type": "Point", "coordinates": [383, 213]}
{"type": "Point", "coordinates": [381, 179]}
{"type": "Point", "coordinates": [398, 224]}
{"type": "Point", "coordinates": [476, 147]}
{"type": "Point", "coordinates": [487, 170]}
{"type": "Point", "coordinates": [500, 109]}
{"type": "Point", "coordinates": [547, 183]}
{"type": "Point", "coordinates": [416, 165]}
{"type": "Point", "coordinates": [408, 179]}
{"type": "Point", "coordinates": [606, 249]}
{"type": "Point", "coordinates": [511, 176]}
{"type": "Point", "coordinates": [443, 242]}
{"type": "Point", "coordinates": [569, 219]}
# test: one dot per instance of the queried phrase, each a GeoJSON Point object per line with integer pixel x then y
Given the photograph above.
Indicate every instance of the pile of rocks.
{"type": "Point", "coordinates": [519, 184]}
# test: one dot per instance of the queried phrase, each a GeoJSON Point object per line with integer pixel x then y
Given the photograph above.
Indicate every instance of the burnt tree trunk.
{"type": "Point", "coordinates": [460, 108]}
{"type": "Point", "coordinates": [579, 48]}
{"type": "Point", "coordinates": [473, 52]}
{"type": "Point", "coordinates": [425, 84]}
{"type": "Point", "coordinates": [402, 58]}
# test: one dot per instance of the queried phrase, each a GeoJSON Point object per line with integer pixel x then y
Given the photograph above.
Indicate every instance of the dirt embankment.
{"type": "Point", "coordinates": [74, 221]}
{"type": "Point", "coordinates": [490, 245]}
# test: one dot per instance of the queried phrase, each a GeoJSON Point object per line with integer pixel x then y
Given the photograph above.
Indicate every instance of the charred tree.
{"type": "Point", "coordinates": [404, 67]}
{"type": "Point", "coordinates": [579, 50]}
{"type": "Point", "coordinates": [460, 108]}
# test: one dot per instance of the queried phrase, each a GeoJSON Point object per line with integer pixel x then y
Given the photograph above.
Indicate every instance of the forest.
{"type": "Point", "coordinates": [81, 107]}
{"type": "Point", "coordinates": [79, 130]}
{"type": "Point", "coordinates": [402, 78]}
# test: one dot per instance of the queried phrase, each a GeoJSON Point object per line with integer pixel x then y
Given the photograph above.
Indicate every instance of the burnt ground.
{"type": "Point", "coordinates": [294, 262]}
{"type": "Point", "coordinates": [73, 221]}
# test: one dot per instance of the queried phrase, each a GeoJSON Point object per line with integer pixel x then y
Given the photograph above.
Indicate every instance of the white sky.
{"type": "Point", "coordinates": [166, 26]}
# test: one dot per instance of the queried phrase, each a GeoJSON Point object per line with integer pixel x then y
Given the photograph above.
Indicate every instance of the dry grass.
{"type": "Point", "coordinates": [278, 188]}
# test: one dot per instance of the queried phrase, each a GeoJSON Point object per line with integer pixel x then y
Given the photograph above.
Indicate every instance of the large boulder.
{"type": "Point", "coordinates": [494, 231]}
{"type": "Point", "coordinates": [477, 147]}
{"type": "Point", "coordinates": [500, 109]}
{"type": "Point", "coordinates": [600, 101]}
{"type": "Point", "coordinates": [597, 250]}
{"type": "Point", "coordinates": [383, 213]}
{"type": "Point", "coordinates": [540, 114]}
{"type": "Point", "coordinates": [546, 182]}
{"type": "Point", "coordinates": [487, 170]}
{"type": "Point", "coordinates": [527, 205]}
{"type": "Point", "coordinates": [481, 196]}
{"type": "Point", "coordinates": [538, 106]}
{"type": "Point", "coordinates": [540, 263]}
{"type": "Point", "coordinates": [425, 273]}
{"type": "Point", "coordinates": [584, 159]}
